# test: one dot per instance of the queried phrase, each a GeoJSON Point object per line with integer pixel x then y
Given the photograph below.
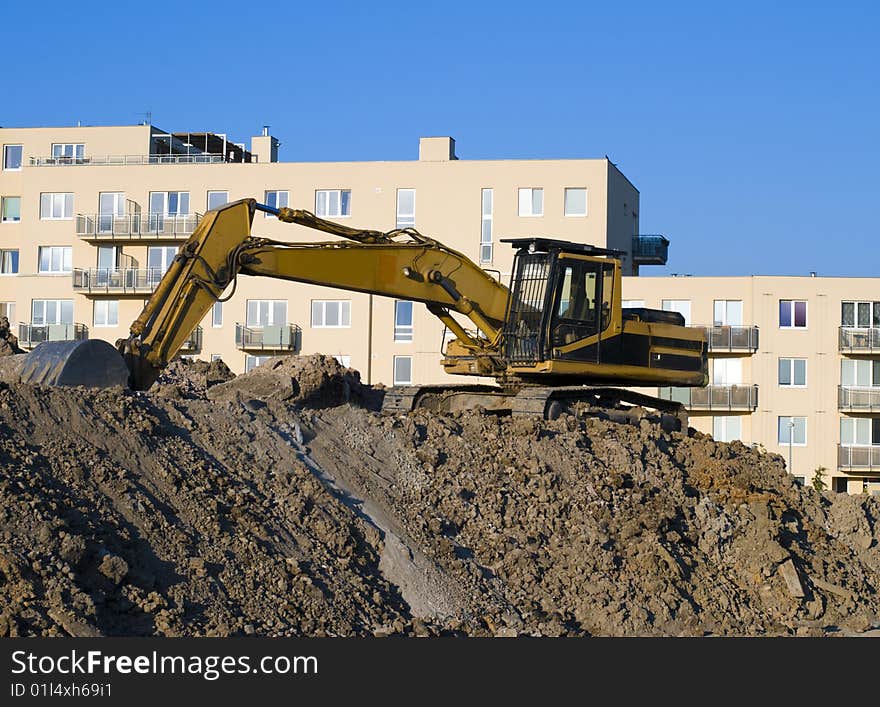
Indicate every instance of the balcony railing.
{"type": "Point", "coordinates": [95, 281]}
{"type": "Point", "coordinates": [29, 335]}
{"type": "Point", "coordinates": [152, 227]}
{"type": "Point", "coordinates": [116, 160]}
{"type": "Point", "coordinates": [280, 337]}
{"type": "Point", "coordinates": [859, 340]}
{"type": "Point", "coordinates": [732, 338]}
{"type": "Point", "coordinates": [858, 399]}
{"type": "Point", "coordinates": [194, 343]}
{"type": "Point", "coordinates": [858, 458]}
{"type": "Point", "coordinates": [650, 250]}
{"type": "Point", "coordinates": [714, 397]}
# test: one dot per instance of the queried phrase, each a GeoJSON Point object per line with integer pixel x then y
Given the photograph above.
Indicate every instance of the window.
{"type": "Point", "coordinates": [793, 429]}
{"type": "Point", "coordinates": [403, 321]}
{"type": "Point", "coordinates": [726, 371]}
{"type": "Point", "coordinates": [402, 370]}
{"type": "Point", "coordinates": [861, 373]}
{"type": "Point", "coordinates": [252, 362]}
{"type": "Point", "coordinates": [7, 309]}
{"type": "Point", "coordinates": [331, 313]}
{"type": "Point", "coordinates": [68, 152]}
{"type": "Point", "coordinates": [406, 208]}
{"type": "Point", "coordinates": [575, 201]}
{"type": "Point", "coordinates": [216, 357]}
{"type": "Point", "coordinates": [860, 431]}
{"type": "Point", "coordinates": [12, 157]}
{"type": "Point", "coordinates": [266, 312]}
{"type": "Point", "coordinates": [632, 303]}
{"type": "Point", "coordinates": [682, 306]}
{"type": "Point", "coordinates": [531, 201]}
{"type": "Point", "coordinates": [486, 226]}
{"type": "Point", "coordinates": [56, 259]}
{"type": "Point", "coordinates": [106, 313]}
{"type": "Point", "coordinates": [728, 312]}
{"type": "Point", "coordinates": [108, 257]}
{"type": "Point", "coordinates": [166, 204]}
{"type": "Point", "coordinates": [792, 314]}
{"type": "Point", "coordinates": [216, 199]}
{"type": "Point", "coordinates": [159, 259]}
{"type": "Point", "coordinates": [9, 262]}
{"type": "Point", "coordinates": [860, 314]}
{"type": "Point", "coordinates": [344, 359]}
{"type": "Point", "coordinates": [10, 208]}
{"type": "Point", "coordinates": [333, 202]}
{"type": "Point", "coordinates": [111, 206]}
{"type": "Point", "coordinates": [276, 199]}
{"type": "Point", "coordinates": [793, 372]}
{"type": "Point", "coordinates": [727, 428]}
{"type": "Point", "coordinates": [56, 206]}
{"type": "Point", "coordinates": [217, 315]}
{"type": "Point", "coordinates": [51, 311]}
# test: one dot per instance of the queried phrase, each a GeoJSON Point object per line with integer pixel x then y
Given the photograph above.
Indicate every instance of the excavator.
{"type": "Point", "coordinates": [556, 340]}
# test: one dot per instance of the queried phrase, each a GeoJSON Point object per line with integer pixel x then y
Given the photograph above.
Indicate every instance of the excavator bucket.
{"type": "Point", "coordinates": [91, 362]}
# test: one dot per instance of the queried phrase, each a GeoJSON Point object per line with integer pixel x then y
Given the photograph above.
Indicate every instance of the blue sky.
{"type": "Point", "coordinates": [750, 128]}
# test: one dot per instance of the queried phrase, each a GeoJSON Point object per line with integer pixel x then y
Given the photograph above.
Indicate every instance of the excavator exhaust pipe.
{"type": "Point", "coordinates": [93, 363]}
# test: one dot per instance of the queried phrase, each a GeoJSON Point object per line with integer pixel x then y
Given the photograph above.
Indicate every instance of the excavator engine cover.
{"type": "Point", "coordinates": [90, 362]}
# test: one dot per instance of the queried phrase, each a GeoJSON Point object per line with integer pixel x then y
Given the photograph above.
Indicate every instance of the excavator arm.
{"type": "Point", "coordinates": [402, 264]}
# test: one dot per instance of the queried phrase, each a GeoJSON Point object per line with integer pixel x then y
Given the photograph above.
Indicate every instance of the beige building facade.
{"type": "Point", "coordinates": [794, 366]}
{"type": "Point", "coordinates": [92, 216]}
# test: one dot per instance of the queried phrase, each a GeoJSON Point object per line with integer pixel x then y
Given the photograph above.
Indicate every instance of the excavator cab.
{"type": "Point", "coordinates": [562, 300]}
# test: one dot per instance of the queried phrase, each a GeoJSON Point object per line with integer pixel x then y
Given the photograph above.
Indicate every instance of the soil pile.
{"type": "Point", "coordinates": [279, 503]}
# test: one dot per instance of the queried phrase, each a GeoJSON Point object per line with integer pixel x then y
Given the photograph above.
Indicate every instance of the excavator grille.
{"type": "Point", "coordinates": [523, 330]}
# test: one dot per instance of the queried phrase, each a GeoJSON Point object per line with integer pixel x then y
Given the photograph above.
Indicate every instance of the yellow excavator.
{"type": "Point", "coordinates": [557, 339]}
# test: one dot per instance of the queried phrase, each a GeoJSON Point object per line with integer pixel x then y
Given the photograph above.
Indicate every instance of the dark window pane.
{"type": "Point", "coordinates": [800, 314]}
{"type": "Point", "coordinates": [847, 314]}
{"type": "Point", "coordinates": [785, 312]}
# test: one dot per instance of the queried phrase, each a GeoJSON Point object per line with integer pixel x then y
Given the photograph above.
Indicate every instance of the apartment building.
{"type": "Point", "coordinates": [794, 366]}
{"type": "Point", "coordinates": [92, 217]}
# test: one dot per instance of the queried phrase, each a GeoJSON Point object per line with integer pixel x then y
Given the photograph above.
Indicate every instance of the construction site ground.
{"type": "Point", "coordinates": [282, 502]}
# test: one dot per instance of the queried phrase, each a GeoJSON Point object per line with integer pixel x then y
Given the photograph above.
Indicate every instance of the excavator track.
{"type": "Point", "coordinates": [617, 404]}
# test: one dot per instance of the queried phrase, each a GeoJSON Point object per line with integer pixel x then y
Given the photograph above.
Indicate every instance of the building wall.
{"type": "Point", "coordinates": [447, 205]}
{"type": "Point", "coordinates": [818, 343]}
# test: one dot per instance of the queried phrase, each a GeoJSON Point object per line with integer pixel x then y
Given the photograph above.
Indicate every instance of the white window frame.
{"type": "Point", "coordinates": [3, 202]}
{"type": "Point", "coordinates": [166, 200]}
{"type": "Point", "coordinates": [406, 220]}
{"type": "Point", "coordinates": [59, 310]}
{"type": "Point", "coordinates": [271, 307]}
{"type": "Point", "coordinates": [216, 357]}
{"type": "Point", "coordinates": [6, 157]}
{"type": "Point", "coordinates": [343, 359]}
{"type": "Point", "coordinates": [792, 303]}
{"type": "Point", "coordinates": [403, 333]}
{"type": "Point", "coordinates": [66, 258]}
{"type": "Point", "coordinates": [855, 364]}
{"type": "Point", "coordinates": [723, 423]}
{"type": "Point", "coordinates": [7, 309]}
{"type": "Point", "coordinates": [853, 422]}
{"type": "Point", "coordinates": [529, 200]}
{"type": "Point", "coordinates": [779, 428]}
{"type": "Point", "coordinates": [51, 198]}
{"type": "Point", "coordinates": [251, 362]}
{"type": "Point", "coordinates": [487, 226]}
{"type": "Point", "coordinates": [873, 313]}
{"type": "Point", "coordinates": [4, 258]}
{"type": "Point", "coordinates": [727, 371]}
{"type": "Point", "coordinates": [213, 192]}
{"type": "Point", "coordinates": [565, 202]}
{"type": "Point", "coordinates": [632, 304]}
{"type": "Point", "coordinates": [791, 360]}
{"type": "Point", "coordinates": [668, 305]}
{"type": "Point", "coordinates": [344, 314]}
{"type": "Point", "coordinates": [725, 318]}
{"type": "Point", "coordinates": [325, 211]}
{"type": "Point", "coordinates": [278, 199]}
{"type": "Point", "coordinates": [77, 151]}
{"type": "Point", "coordinates": [109, 311]}
{"type": "Point", "coordinates": [400, 381]}
{"type": "Point", "coordinates": [217, 315]}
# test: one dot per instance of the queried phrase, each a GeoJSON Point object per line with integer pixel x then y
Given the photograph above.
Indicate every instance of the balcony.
{"type": "Point", "coordinates": [858, 458]}
{"type": "Point", "coordinates": [122, 281]}
{"type": "Point", "coordinates": [858, 399]}
{"type": "Point", "coordinates": [732, 339]}
{"type": "Point", "coordinates": [193, 344]}
{"type": "Point", "coordinates": [731, 398]}
{"type": "Point", "coordinates": [29, 335]}
{"type": "Point", "coordinates": [859, 340]}
{"type": "Point", "coordinates": [117, 160]}
{"type": "Point", "coordinates": [135, 227]}
{"type": "Point", "coordinates": [650, 250]}
{"type": "Point", "coordinates": [281, 337]}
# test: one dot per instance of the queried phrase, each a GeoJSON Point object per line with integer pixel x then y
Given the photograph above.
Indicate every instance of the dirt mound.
{"type": "Point", "coordinates": [314, 381]}
{"type": "Point", "coordinates": [265, 504]}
